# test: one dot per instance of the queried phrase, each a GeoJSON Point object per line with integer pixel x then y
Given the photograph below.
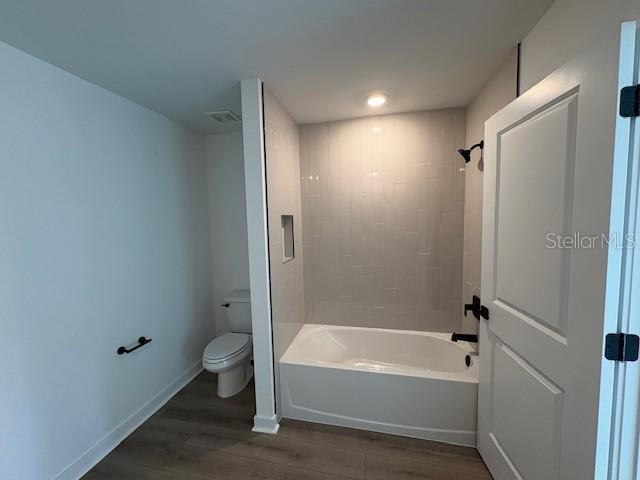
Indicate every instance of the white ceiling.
{"type": "Point", "coordinates": [320, 57]}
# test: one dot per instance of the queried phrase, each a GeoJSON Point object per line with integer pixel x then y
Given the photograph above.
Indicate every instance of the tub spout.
{"type": "Point", "coordinates": [467, 358]}
{"type": "Point", "coordinates": [465, 337]}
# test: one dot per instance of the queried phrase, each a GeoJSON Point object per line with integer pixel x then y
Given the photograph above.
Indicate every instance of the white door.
{"type": "Point", "coordinates": [547, 196]}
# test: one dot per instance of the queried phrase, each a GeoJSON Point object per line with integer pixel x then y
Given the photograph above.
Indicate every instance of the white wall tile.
{"type": "Point", "coordinates": [498, 92]}
{"type": "Point", "coordinates": [283, 168]}
{"type": "Point", "coordinates": [383, 220]}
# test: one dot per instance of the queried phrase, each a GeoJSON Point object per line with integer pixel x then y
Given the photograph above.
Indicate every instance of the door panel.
{"type": "Point", "coordinates": [535, 182]}
{"type": "Point", "coordinates": [534, 169]}
{"type": "Point", "coordinates": [523, 396]}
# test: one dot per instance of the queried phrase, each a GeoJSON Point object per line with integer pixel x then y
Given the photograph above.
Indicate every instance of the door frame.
{"type": "Point", "coordinates": [619, 403]}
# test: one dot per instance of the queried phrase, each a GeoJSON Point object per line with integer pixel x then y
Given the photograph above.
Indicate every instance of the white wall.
{"type": "Point", "coordinates": [570, 27]}
{"type": "Point", "coordinates": [228, 219]}
{"type": "Point", "coordinates": [253, 146]}
{"type": "Point", "coordinates": [103, 238]}
{"type": "Point", "coordinates": [383, 205]}
{"type": "Point", "coordinates": [498, 92]}
{"type": "Point", "coordinates": [282, 149]}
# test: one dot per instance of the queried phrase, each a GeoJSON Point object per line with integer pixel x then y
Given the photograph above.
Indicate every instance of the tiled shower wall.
{"type": "Point", "coordinates": [498, 92]}
{"type": "Point", "coordinates": [282, 157]}
{"type": "Point", "coordinates": [282, 149]}
{"type": "Point", "coordinates": [383, 203]}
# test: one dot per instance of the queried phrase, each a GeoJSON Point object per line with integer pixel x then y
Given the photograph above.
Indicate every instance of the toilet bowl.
{"type": "Point", "coordinates": [229, 355]}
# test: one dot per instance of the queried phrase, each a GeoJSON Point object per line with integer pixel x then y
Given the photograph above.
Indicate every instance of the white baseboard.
{"type": "Point", "coordinates": [112, 439]}
{"type": "Point", "coordinates": [265, 424]}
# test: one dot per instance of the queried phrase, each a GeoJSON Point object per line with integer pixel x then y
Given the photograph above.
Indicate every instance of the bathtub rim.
{"type": "Point", "coordinates": [469, 375]}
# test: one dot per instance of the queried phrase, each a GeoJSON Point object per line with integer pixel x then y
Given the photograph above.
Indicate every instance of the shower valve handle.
{"type": "Point", "coordinates": [476, 308]}
{"type": "Point", "coordinates": [473, 307]}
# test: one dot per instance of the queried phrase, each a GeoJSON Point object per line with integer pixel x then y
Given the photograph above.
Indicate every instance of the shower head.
{"type": "Point", "coordinates": [466, 154]}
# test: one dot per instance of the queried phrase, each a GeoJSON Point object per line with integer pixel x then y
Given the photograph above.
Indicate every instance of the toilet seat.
{"type": "Point", "coordinates": [229, 356]}
{"type": "Point", "coordinates": [226, 347]}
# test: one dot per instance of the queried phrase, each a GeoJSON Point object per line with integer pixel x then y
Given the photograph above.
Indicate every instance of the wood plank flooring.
{"type": "Point", "coordinates": [197, 435]}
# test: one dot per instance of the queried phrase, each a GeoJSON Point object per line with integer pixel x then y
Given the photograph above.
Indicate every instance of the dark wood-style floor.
{"type": "Point", "coordinates": [197, 435]}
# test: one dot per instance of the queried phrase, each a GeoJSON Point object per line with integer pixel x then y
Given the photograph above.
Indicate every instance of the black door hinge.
{"type": "Point", "coordinates": [621, 347]}
{"type": "Point", "coordinates": [476, 308]}
{"type": "Point", "coordinates": [630, 101]}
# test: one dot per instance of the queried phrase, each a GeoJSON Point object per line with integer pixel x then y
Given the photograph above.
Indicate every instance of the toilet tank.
{"type": "Point", "coordinates": [239, 311]}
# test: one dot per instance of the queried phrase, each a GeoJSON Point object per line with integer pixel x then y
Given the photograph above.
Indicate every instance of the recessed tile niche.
{"type": "Point", "coordinates": [288, 251]}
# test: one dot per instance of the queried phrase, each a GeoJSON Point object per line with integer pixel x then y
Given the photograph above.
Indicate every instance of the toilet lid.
{"type": "Point", "coordinates": [226, 345]}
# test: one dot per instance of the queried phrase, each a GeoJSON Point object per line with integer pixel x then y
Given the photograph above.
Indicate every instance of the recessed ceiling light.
{"type": "Point", "coordinates": [376, 100]}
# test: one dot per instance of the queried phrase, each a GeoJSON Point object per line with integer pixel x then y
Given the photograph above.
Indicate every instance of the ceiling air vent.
{"type": "Point", "coordinates": [223, 116]}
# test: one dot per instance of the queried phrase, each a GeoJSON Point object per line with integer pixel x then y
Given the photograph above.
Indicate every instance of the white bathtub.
{"type": "Point", "coordinates": [392, 381]}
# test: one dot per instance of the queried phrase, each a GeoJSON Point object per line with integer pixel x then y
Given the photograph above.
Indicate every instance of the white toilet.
{"type": "Point", "coordinates": [229, 355]}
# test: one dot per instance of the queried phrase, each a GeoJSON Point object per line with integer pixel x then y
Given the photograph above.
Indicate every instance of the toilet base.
{"type": "Point", "coordinates": [233, 381]}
